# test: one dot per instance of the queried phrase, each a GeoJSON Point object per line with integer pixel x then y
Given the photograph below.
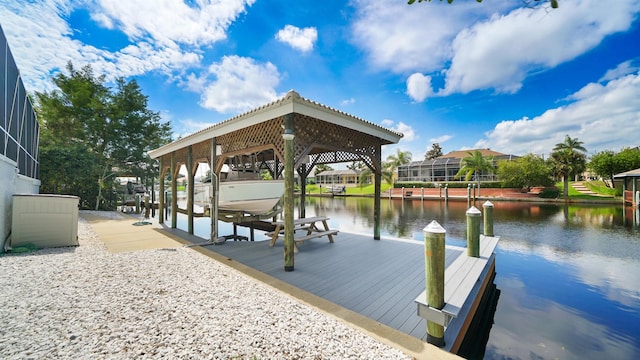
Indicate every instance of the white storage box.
{"type": "Point", "coordinates": [44, 220]}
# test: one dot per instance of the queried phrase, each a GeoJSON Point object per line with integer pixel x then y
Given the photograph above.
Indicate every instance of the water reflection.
{"type": "Point", "coordinates": [569, 275]}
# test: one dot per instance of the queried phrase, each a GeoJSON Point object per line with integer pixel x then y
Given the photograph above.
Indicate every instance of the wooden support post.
{"type": "Point", "coordinates": [488, 218]}
{"type": "Point", "coordinates": [473, 232]}
{"type": "Point", "coordinates": [174, 192]}
{"type": "Point", "coordinates": [161, 200]}
{"type": "Point", "coordinates": [137, 203]}
{"type": "Point", "coordinates": [634, 193]}
{"type": "Point", "coordinates": [213, 214]}
{"type": "Point", "coordinates": [289, 244]}
{"type": "Point", "coordinates": [434, 262]}
{"type": "Point", "coordinates": [147, 206]}
{"type": "Point", "coordinates": [378, 185]}
{"type": "Point", "coordinates": [153, 197]}
{"type": "Point", "coordinates": [303, 190]}
{"type": "Point", "coordinates": [190, 192]}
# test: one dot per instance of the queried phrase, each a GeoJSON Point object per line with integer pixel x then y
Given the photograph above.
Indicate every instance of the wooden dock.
{"type": "Point", "coordinates": [378, 279]}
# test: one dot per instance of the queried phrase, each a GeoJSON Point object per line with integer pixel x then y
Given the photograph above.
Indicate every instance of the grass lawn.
{"type": "Point", "coordinates": [595, 186]}
{"type": "Point", "coordinates": [365, 190]}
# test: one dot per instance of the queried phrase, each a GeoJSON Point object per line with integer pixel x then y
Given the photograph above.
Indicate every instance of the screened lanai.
{"type": "Point", "coordinates": [290, 134]}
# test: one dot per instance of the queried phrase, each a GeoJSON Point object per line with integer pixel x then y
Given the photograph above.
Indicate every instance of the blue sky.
{"type": "Point", "coordinates": [496, 75]}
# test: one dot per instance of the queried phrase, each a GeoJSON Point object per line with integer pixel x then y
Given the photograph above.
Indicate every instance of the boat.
{"type": "Point", "coordinates": [254, 197]}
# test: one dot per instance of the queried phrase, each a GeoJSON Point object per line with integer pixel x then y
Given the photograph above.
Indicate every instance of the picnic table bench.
{"type": "Point", "coordinates": [310, 225]}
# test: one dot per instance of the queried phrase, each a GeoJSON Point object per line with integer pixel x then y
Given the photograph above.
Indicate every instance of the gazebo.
{"type": "Point", "coordinates": [292, 133]}
{"type": "Point", "coordinates": [630, 190]}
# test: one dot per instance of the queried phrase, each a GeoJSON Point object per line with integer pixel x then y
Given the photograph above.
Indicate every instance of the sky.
{"type": "Point", "coordinates": [505, 75]}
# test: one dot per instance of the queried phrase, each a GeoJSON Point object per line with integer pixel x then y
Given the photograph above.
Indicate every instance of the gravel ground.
{"type": "Point", "coordinates": [86, 303]}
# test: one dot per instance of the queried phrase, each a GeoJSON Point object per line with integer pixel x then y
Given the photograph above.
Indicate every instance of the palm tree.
{"type": "Point", "coordinates": [393, 161]}
{"type": "Point", "coordinates": [568, 158]}
{"type": "Point", "coordinates": [388, 167]}
{"type": "Point", "coordinates": [474, 164]}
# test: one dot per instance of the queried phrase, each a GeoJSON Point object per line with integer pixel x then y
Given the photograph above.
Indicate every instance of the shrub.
{"type": "Point", "coordinates": [549, 193]}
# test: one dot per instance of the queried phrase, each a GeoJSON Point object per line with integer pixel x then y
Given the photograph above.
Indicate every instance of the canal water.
{"type": "Point", "coordinates": [569, 276]}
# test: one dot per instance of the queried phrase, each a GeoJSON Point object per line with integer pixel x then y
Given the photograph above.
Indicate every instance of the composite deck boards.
{"type": "Point", "coordinates": [378, 279]}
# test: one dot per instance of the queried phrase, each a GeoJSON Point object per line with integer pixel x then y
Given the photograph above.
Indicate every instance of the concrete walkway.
{"type": "Point", "coordinates": [129, 233]}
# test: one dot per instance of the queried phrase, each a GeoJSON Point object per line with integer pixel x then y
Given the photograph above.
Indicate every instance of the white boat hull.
{"type": "Point", "coordinates": [255, 197]}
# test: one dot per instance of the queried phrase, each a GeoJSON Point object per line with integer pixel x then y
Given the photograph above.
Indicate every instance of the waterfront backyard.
{"type": "Point", "coordinates": [568, 275]}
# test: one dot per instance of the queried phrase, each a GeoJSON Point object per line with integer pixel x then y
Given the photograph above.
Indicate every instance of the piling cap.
{"type": "Point", "coordinates": [473, 211]}
{"type": "Point", "coordinates": [434, 228]}
{"type": "Point", "coordinates": [487, 204]}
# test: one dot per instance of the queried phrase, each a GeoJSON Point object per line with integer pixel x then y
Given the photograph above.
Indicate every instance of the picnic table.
{"type": "Point", "coordinates": [309, 225]}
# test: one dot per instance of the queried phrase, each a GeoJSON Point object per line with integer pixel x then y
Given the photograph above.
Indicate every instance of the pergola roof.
{"type": "Point", "coordinates": [291, 103]}
{"type": "Point", "coordinates": [630, 173]}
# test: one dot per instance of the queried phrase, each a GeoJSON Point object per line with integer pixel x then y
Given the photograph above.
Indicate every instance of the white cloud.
{"type": "Point", "coordinates": [440, 139]}
{"type": "Point", "coordinates": [412, 38]}
{"type": "Point", "coordinates": [408, 131]}
{"type": "Point", "coordinates": [297, 38]}
{"type": "Point", "coordinates": [42, 44]}
{"type": "Point", "coordinates": [348, 102]}
{"type": "Point", "coordinates": [603, 116]}
{"type": "Point", "coordinates": [500, 52]}
{"type": "Point", "coordinates": [240, 84]}
{"type": "Point", "coordinates": [190, 126]}
{"type": "Point", "coordinates": [419, 87]}
{"type": "Point", "coordinates": [499, 49]}
{"type": "Point", "coordinates": [171, 21]}
{"type": "Point", "coordinates": [625, 68]}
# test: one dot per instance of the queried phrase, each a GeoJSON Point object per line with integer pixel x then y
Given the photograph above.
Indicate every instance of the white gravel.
{"type": "Point", "coordinates": [86, 303]}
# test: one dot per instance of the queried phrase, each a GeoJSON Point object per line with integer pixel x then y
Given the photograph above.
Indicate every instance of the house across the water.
{"type": "Point", "coordinates": [445, 167]}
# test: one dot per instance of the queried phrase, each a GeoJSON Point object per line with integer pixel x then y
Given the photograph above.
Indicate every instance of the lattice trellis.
{"type": "Point", "coordinates": [324, 142]}
{"type": "Point", "coordinates": [328, 143]}
{"type": "Point", "coordinates": [264, 138]}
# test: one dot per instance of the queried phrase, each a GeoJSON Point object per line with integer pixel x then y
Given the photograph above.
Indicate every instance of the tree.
{"type": "Point", "coordinates": [357, 166]}
{"type": "Point", "coordinates": [390, 166]}
{"type": "Point", "coordinates": [554, 3]}
{"type": "Point", "coordinates": [114, 126]}
{"type": "Point", "coordinates": [525, 172]}
{"type": "Point", "coordinates": [320, 168]}
{"type": "Point", "coordinates": [434, 152]}
{"type": "Point", "coordinates": [65, 169]}
{"type": "Point", "coordinates": [629, 159]}
{"type": "Point", "coordinates": [474, 164]}
{"type": "Point", "coordinates": [568, 158]}
{"type": "Point", "coordinates": [604, 164]}
{"type": "Point", "coordinates": [607, 163]}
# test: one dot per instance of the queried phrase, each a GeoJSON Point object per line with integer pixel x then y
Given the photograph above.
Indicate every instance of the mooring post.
{"type": "Point", "coordinates": [488, 218]}
{"type": "Point", "coordinates": [473, 232]}
{"type": "Point", "coordinates": [403, 193]}
{"type": "Point", "coordinates": [422, 193]}
{"type": "Point", "coordinates": [434, 239]}
{"type": "Point", "coordinates": [446, 192]}
{"type": "Point", "coordinates": [468, 195]}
